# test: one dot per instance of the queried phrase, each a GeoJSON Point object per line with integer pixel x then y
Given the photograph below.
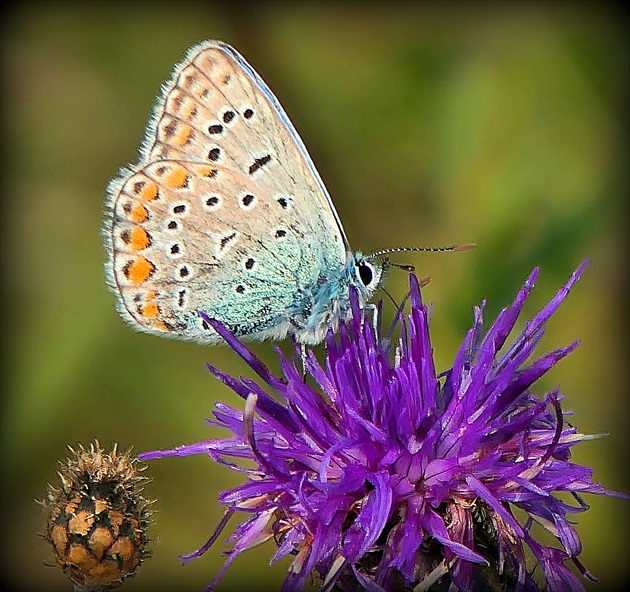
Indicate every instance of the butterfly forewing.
{"type": "Point", "coordinates": [224, 212]}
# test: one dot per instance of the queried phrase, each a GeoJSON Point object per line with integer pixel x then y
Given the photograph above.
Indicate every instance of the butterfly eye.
{"type": "Point", "coordinates": [366, 272]}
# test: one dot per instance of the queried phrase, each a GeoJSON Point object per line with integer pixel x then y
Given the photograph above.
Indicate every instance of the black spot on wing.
{"type": "Point", "coordinates": [259, 163]}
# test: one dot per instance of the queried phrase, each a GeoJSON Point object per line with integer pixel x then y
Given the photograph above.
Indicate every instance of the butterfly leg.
{"type": "Point", "coordinates": [300, 327]}
{"type": "Point", "coordinates": [373, 311]}
{"type": "Point", "coordinates": [303, 358]}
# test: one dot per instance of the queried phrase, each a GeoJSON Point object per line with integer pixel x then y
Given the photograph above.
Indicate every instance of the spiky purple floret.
{"type": "Point", "coordinates": [387, 475]}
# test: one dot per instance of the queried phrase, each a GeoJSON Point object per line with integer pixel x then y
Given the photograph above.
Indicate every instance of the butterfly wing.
{"type": "Point", "coordinates": [224, 213]}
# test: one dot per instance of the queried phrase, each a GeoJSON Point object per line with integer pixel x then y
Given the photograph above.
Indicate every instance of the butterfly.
{"type": "Point", "coordinates": [225, 214]}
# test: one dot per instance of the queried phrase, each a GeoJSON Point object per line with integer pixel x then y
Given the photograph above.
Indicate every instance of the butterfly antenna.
{"type": "Point", "coordinates": [462, 247]}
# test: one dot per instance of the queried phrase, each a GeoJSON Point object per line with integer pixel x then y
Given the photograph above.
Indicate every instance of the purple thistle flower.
{"type": "Point", "coordinates": [386, 476]}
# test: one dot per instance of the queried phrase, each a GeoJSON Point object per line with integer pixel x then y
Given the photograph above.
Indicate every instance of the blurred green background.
{"type": "Point", "coordinates": [500, 123]}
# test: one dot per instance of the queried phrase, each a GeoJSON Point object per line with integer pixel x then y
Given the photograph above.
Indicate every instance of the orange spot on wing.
{"type": "Point", "coordinates": [177, 178]}
{"type": "Point", "coordinates": [189, 109]}
{"type": "Point", "coordinates": [149, 191]}
{"type": "Point", "coordinates": [150, 310]}
{"type": "Point", "coordinates": [139, 238]}
{"type": "Point", "coordinates": [205, 170]}
{"type": "Point", "coordinates": [139, 270]}
{"type": "Point", "coordinates": [182, 137]}
{"type": "Point", "coordinates": [139, 213]}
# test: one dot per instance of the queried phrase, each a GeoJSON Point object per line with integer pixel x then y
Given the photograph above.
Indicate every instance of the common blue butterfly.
{"type": "Point", "coordinates": [225, 213]}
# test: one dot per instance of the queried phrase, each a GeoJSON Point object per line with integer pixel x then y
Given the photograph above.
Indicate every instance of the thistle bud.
{"type": "Point", "coordinates": [96, 519]}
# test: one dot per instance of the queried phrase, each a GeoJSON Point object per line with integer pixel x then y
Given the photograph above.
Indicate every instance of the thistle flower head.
{"type": "Point", "coordinates": [378, 473]}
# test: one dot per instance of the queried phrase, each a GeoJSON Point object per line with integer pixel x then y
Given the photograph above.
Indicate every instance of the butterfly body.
{"type": "Point", "coordinates": [225, 214]}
